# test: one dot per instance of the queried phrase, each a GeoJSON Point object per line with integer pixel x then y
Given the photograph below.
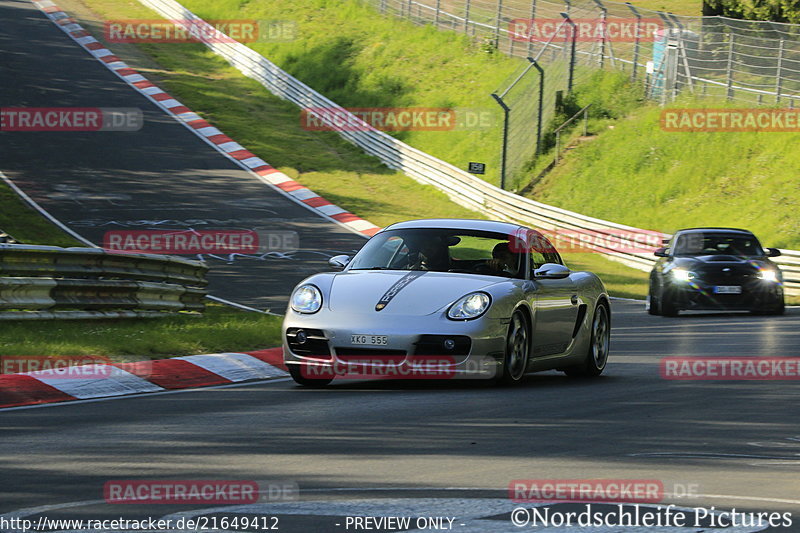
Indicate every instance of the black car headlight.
{"type": "Point", "coordinates": [306, 299]}
{"type": "Point", "coordinates": [769, 275]}
{"type": "Point", "coordinates": [681, 274]}
{"type": "Point", "coordinates": [470, 306]}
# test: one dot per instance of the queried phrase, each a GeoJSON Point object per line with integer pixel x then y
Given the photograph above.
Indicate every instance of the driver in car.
{"type": "Point", "coordinates": [432, 255]}
{"type": "Point", "coordinates": [503, 260]}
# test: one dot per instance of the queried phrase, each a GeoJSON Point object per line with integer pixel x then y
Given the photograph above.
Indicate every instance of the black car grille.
{"type": "Point", "coordinates": [315, 345]}
{"type": "Point", "coordinates": [726, 275]}
{"type": "Point", "coordinates": [437, 345]}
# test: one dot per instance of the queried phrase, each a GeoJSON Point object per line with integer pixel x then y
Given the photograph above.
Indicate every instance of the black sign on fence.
{"type": "Point", "coordinates": [477, 168]}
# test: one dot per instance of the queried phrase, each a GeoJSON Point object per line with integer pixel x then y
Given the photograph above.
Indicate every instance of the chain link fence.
{"type": "Point", "coordinates": [752, 62]}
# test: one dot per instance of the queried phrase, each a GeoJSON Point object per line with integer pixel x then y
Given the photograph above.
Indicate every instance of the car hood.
{"type": "Point", "coordinates": [402, 292]}
{"type": "Point", "coordinates": [712, 261]}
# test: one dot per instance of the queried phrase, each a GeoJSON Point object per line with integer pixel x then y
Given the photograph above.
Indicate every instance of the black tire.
{"type": "Point", "coordinates": [300, 377]}
{"type": "Point", "coordinates": [666, 305]}
{"type": "Point", "coordinates": [517, 350]}
{"type": "Point", "coordinates": [599, 343]}
{"type": "Point", "coordinates": [653, 305]}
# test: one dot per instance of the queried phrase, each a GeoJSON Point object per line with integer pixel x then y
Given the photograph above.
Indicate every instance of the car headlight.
{"type": "Point", "coordinates": [680, 274]}
{"type": "Point", "coordinates": [470, 306]}
{"type": "Point", "coordinates": [306, 299]}
{"type": "Point", "coordinates": [768, 275]}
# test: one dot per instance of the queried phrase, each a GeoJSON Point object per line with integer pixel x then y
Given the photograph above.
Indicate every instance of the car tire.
{"type": "Point", "coordinates": [666, 306]}
{"type": "Point", "coordinates": [517, 350]}
{"type": "Point", "coordinates": [301, 378]}
{"type": "Point", "coordinates": [653, 306]}
{"type": "Point", "coordinates": [599, 343]}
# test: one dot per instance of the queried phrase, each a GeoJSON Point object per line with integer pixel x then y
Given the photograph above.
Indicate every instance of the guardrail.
{"type": "Point", "coordinates": [43, 282]}
{"type": "Point", "coordinates": [459, 185]}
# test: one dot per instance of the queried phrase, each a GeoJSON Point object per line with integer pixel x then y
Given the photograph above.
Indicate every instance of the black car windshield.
{"type": "Point", "coordinates": [442, 250]}
{"type": "Point", "coordinates": [701, 243]}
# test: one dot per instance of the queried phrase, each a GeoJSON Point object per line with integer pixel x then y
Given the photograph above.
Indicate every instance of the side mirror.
{"type": "Point", "coordinates": [339, 261]}
{"type": "Point", "coordinates": [660, 252]}
{"type": "Point", "coordinates": [773, 252]}
{"type": "Point", "coordinates": [551, 271]}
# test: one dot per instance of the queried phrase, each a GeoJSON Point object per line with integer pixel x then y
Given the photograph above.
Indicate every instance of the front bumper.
{"type": "Point", "coordinates": [700, 295]}
{"type": "Point", "coordinates": [416, 347]}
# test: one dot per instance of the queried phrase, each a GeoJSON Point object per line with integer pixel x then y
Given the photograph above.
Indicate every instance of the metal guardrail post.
{"type": "Point", "coordinates": [540, 109]}
{"type": "Point", "coordinates": [436, 15]}
{"type": "Point", "coordinates": [603, 18]}
{"type": "Point", "coordinates": [729, 68]}
{"type": "Point", "coordinates": [778, 78]}
{"type": "Point", "coordinates": [504, 154]}
{"type": "Point", "coordinates": [636, 40]}
{"type": "Point", "coordinates": [466, 16]}
{"type": "Point", "coordinates": [532, 22]}
{"type": "Point", "coordinates": [573, 38]}
{"type": "Point", "coordinates": [498, 17]}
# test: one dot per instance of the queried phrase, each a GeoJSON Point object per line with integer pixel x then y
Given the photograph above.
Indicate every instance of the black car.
{"type": "Point", "coordinates": [715, 269]}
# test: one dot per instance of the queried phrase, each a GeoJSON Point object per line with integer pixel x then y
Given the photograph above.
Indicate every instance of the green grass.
{"type": "Point", "coordinates": [23, 223]}
{"type": "Point", "coordinates": [221, 329]}
{"type": "Point", "coordinates": [679, 7]}
{"type": "Point", "coordinates": [639, 175]}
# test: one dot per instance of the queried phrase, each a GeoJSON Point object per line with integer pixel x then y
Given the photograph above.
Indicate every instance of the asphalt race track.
{"type": "Point", "coordinates": [380, 448]}
{"type": "Point", "coordinates": [359, 447]}
{"type": "Point", "coordinates": [162, 177]}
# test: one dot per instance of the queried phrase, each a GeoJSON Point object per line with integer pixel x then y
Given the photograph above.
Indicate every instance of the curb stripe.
{"type": "Point", "coordinates": [122, 379]}
{"type": "Point", "coordinates": [173, 374]}
{"type": "Point", "coordinates": [18, 389]}
{"type": "Point", "coordinates": [234, 366]}
{"type": "Point", "coordinates": [111, 381]}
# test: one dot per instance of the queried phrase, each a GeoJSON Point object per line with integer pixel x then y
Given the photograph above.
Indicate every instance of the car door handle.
{"type": "Point", "coordinates": [574, 299]}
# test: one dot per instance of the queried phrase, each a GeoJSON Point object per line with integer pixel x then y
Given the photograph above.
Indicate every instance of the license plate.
{"type": "Point", "coordinates": [728, 289]}
{"type": "Point", "coordinates": [370, 340]}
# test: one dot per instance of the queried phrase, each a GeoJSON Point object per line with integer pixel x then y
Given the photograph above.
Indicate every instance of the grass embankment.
{"type": "Point", "coordinates": [640, 175]}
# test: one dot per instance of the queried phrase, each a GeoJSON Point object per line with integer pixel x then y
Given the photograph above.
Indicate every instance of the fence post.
{"type": "Point", "coordinates": [533, 18]}
{"type": "Point", "coordinates": [778, 79]}
{"type": "Point", "coordinates": [410, 15]}
{"type": "Point", "coordinates": [383, 7]}
{"type": "Point", "coordinates": [538, 67]}
{"type": "Point", "coordinates": [466, 16]}
{"type": "Point", "coordinates": [729, 69]}
{"type": "Point", "coordinates": [636, 40]}
{"type": "Point", "coordinates": [574, 36]}
{"type": "Point", "coordinates": [603, 17]}
{"type": "Point", "coordinates": [506, 112]}
{"type": "Point", "coordinates": [436, 16]}
{"type": "Point", "coordinates": [497, 23]}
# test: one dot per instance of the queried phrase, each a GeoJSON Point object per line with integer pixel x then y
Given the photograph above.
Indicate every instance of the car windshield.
{"type": "Point", "coordinates": [442, 250]}
{"type": "Point", "coordinates": [701, 243]}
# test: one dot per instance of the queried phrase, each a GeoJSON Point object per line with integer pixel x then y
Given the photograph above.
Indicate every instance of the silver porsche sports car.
{"type": "Point", "coordinates": [444, 298]}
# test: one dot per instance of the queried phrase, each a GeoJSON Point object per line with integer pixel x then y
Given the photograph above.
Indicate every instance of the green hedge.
{"type": "Point", "coordinates": [775, 10]}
